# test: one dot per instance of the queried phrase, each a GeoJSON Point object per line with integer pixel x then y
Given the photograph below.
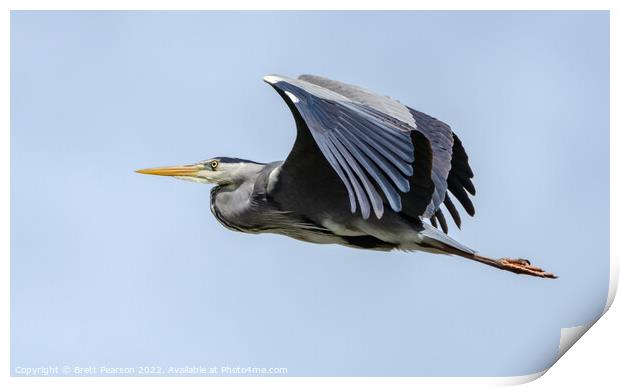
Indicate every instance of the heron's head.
{"type": "Point", "coordinates": [218, 170]}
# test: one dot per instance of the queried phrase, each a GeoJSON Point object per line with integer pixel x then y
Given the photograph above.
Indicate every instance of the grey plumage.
{"type": "Point", "coordinates": [365, 171]}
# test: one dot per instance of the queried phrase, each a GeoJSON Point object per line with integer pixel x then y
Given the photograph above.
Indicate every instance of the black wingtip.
{"type": "Point", "coordinates": [460, 194]}
{"type": "Point", "coordinates": [442, 220]}
{"type": "Point", "coordinates": [452, 210]}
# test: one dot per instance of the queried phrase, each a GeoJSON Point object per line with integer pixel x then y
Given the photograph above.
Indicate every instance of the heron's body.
{"type": "Point", "coordinates": [365, 171]}
{"type": "Point", "coordinates": [251, 205]}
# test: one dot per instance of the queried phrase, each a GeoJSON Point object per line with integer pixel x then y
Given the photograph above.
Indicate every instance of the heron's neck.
{"type": "Point", "coordinates": [231, 200]}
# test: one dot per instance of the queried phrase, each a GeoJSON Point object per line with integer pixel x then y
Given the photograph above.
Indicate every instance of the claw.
{"type": "Point", "coordinates": [523, 266]}
{"type": "Point", "coordinates": [517, 261]}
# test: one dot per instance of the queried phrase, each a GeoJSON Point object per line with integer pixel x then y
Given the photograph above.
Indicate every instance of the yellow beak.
{"type": "Point", "coordinates": [180, 170]}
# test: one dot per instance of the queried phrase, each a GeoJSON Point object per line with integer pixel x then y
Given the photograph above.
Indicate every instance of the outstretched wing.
{"type": "Point", "coordinates": [450, 166]}
{"type": "Point", "coordinates": [371, 151]}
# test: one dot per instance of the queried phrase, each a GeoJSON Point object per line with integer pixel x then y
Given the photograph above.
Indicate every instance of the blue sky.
{"type": "Point", "coordinates": [117, 269]}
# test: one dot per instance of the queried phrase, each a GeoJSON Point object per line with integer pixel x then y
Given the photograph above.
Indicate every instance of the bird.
{"type": "Point", "coordinates": [365, 171]}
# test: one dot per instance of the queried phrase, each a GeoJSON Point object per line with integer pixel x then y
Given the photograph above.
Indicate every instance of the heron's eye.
{"type": "Point", "coordinates": [214, 164]}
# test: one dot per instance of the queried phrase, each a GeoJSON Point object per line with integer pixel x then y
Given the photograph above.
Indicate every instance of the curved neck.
{"type": "Point", "coordinates": [231, 203]}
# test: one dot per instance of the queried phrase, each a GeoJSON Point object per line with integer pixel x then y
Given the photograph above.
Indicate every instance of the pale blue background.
{"type": "Point", "coordinates": [113, 268]}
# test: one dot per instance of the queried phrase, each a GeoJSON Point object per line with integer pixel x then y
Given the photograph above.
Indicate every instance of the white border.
{"type": "Point", "coordinates": [303, 5]}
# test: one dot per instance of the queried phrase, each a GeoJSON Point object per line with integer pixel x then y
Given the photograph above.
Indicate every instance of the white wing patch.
{"type": "Point", "coordinates": [272, 179]}
{"type": "Point", "coordinates": [292, 96]}
{"type": "Point", "coordinates": [271, 79]}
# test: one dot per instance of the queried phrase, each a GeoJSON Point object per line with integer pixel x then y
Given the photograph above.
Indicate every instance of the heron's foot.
{"type": "Point", "coordinates": [523, 266]}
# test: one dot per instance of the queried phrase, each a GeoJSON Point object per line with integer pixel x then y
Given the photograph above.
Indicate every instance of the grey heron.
{"type": "Point", "coordinates": [365, 171]}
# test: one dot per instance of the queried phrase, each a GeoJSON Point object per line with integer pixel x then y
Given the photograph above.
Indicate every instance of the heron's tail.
{"type": "Point", "coordinates": [441, 241]}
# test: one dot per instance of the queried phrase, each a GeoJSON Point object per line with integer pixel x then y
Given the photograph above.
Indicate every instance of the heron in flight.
{"type": "Point", "coordinates": [365, 171]}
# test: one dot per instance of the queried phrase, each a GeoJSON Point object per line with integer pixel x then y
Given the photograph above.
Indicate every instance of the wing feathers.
{"type": "Point", "coordinates": [452, 210]}
{"type": "Point", "coordinates": [460, 194]}
{"type": "Point", "coordinates": [396, 147]}
{"type": "Point", "coordinates": [360, 143]}
{"type": "Point", "coordinates": [327, 151]}
{"type": "Point", "coordinates": [442, 220]}
{"type": "Point", "coordinates": [373, 195]}
{"type": "Point", "coordinates": [368, 141]}
{"type": "Point", "coordinates": [359, 192]}
{"type": "Point", "coordinates": [391, 194]}
{"type": "Point", "coordinates": [386, 166]}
